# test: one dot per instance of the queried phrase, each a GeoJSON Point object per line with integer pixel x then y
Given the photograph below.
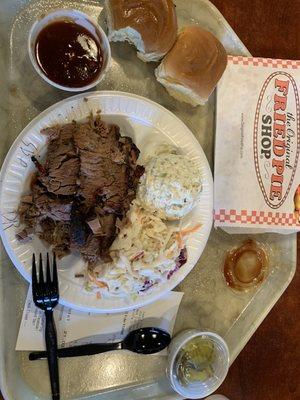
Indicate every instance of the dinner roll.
{"type": "Point", "coordinates": [150, 25]}
{"type": "Point", "coordinates": [193, 67]}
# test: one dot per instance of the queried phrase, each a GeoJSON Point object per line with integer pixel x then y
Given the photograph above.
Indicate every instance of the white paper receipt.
{"type": "Point", "coordinates": [74, 327]}
{"type": "Point", "coordinates": [257, 152]}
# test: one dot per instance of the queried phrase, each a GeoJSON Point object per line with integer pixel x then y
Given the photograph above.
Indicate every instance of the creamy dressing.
{"type": "Point", "coordinates": [170, 186]}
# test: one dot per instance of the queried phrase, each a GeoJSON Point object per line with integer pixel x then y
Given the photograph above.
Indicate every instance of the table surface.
{"type": "Point", "coordinates": [269, 366]}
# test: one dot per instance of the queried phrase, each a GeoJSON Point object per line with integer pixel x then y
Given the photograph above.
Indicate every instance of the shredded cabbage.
{"type": "Point", "coordinates": [145, 253]}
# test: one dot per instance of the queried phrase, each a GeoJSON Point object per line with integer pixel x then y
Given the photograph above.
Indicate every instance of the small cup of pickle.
{"type": "Point", "coordinates": [198, 363]}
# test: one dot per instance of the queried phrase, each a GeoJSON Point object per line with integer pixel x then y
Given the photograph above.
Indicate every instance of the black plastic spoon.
{"type": "Point", "coordinates": [143, 341]}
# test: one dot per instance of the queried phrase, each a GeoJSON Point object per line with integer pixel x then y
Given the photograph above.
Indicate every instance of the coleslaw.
{"type": "Point", "coordinates": [146, 252]}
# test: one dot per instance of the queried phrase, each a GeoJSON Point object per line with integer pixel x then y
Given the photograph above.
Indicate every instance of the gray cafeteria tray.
{"type": "Point", "coordinates": [207, 303]}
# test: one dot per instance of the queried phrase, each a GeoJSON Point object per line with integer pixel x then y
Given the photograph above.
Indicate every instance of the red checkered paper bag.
{"type": "Point", "coordinates": [257, 170]}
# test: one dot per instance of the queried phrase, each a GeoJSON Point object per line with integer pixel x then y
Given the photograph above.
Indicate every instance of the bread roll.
{"type": "Point", "coordinates": [151, 25]}
{"type": "Point", "coordinates": [193, 67]}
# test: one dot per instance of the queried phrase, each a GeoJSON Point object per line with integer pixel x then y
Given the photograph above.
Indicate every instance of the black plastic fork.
{"type": "Point", "coordinates": [45, 295]}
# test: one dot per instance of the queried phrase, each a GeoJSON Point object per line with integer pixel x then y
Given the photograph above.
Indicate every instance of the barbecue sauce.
{"type": "Point", "coordinates": [68, 54]}
{"type": "Point", "coordinates": [246, 267]}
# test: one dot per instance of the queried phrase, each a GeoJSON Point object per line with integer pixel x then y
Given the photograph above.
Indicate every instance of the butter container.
{"type": "Point", "coordinates": [257, 171]}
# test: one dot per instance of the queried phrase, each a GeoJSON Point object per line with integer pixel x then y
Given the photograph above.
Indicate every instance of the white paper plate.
{"type": "Point", "coordinates": [149, 125]}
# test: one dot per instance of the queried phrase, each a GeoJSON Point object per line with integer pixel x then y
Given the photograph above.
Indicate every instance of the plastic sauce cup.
{"type": "Point", "coordinates": [220, 365]}
{"type": "Point", "coordinates": [80, 19]}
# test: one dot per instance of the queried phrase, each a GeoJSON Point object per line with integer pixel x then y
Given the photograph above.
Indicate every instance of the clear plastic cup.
{"type": "Point", "coordinates": [79, 18]}
{"type": "Point", "coordinates": [198, 390]}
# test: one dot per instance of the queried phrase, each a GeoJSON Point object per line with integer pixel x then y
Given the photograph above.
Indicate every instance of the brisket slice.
{"type": "Point", "coordinates": [56, 234]}
{"type": "Point", "coordinates": [63, 164]}
{"type": "Point", "coordinates": [48, 216]}
{"type": "Point", "coordinates": [104, 169]}
{"type": "Point", "coordinates": [42, 204]}
{"type": "Point", "coordinates": [85, 186]}
{"type": "Point", "coordinates": [107, 185]}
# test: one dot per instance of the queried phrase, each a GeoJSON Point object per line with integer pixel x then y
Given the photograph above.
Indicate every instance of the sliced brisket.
{"type": "Point", "coordinates": [85, 186]}
{"type": "Point", "coordinates": [63, 164]}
